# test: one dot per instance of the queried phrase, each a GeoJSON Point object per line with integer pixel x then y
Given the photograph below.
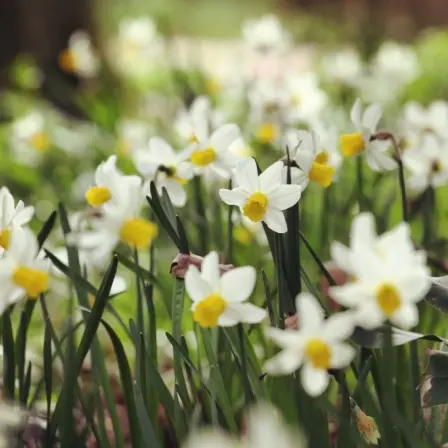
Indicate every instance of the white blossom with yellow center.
{"type": "Point", "coordinates": [22, 274]}
{"type": "Point", "coordinates": [79, 57]}
{"type": "Point", "coordinates": [168, 169]}
{"type": "Point", "coordinates": [11, 217]}
{"type": "Point", "coordinates": [362, 140]}
{"type": "Point", "coordinates": [316, 346]}
{"type": "Point", "coordinates": [427, 163]}
{"type": "Point", "coordinates": [110, 185]}
{"type": "Point", "coordinates": [262, 197]}
{"type": "Point", "coordinates": [389, 275]}
{"type": "Point", "coordinates": [312, 161]}
{"type": "Point", "coordinates": [219, 300]}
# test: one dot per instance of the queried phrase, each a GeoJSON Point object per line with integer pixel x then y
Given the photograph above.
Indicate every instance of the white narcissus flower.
{"type": "Point", "coordinates": [210, 152]}
{"type": "Point", "coordinates": [219, 300]}
{"type": "Point", "coordinates": [427, 163]}
{"type": "Point", "coordinates": [132, 135]}
{"type": "Point", "coordinates": [313, 161]}
{"type": "Point", "coordinates": [389, 275]}
{"type": "Point", "coordinates": [79, 57]}
{"type": "Point", "coordinates": [421, 120]}
{"type": "Point", "coordinates": [11, 216]}
{"type": "Point", "coordinates": [168, 169]}
{"type": "Point", "coordinates": [344, 66]}
{"type": "Point", "coordinates": [316, 346]}
{"type": "Point", "coordinates": [265, 33]}
{"type": "Point", "coordinates": [21, 272]}
{"type": "Point", "coordinates": [363, 140]}
{"type": "Point", "coordinates": [262, 197]}
{"type": "Point", "coordinates": [265, 429]}
{"type": "Point", "coordinates": [111, 186]}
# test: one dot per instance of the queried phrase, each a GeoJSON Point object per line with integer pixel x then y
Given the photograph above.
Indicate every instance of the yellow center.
{"type": "Point", "coordinates": [267, 133]}
{"type": "Point", "coordinates": [388, 299]}
{"type": "Point", "coordinates": [207, 311]}
{"type": "Point", "coordinates": [243, 235]}
{"type": "Point", "coordinates": [321, 172]}
{"type": "Point", "coordinates": [319, 353]}
{"type": "Point", "coordinates": [67, 61]}
{"type": "Point", "coordinates": [5, 238]}
{"type": "Point", "coordinates": [204, 157]}
{"type": "Point", "coordinates": [138, 232]}
{"type": "Point", "coordinates": [212, 86]}
{"type": "Point", "coordinates": [39, 141]}
{"type": "Point", "coordinates": [97, 196]}
{"type": "Point", "coordinates": [33, 281]}
{"type": "Point", "coordinates": [123, 147]}
{"type": "Point", "coordinates": [256, 206]}
{"type": "Point", "coordinates": [351, 144]}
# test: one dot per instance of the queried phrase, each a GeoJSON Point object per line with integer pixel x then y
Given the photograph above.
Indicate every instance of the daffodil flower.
{"type": "Point", "coordinates": [168, 169]}
{"type": "Point", "coordinates": [21, 272]}
{"type": "Point", "coordinates": [389, 276]}
{"type": "Point", "coordinates": [316, 346]}
{"type": "Point", "coordinates": [363, 140]}
{"type": "Point", "coordinates": [264, 197]}
{"type": "Point", "coordinates": [219, 300]}
{"type": "Point", "coordinates": [11, 216]}
{"type": "Point", "coordinates": [111, 185]}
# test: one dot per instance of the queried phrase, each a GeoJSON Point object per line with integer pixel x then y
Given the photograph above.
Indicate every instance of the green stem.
{"type": "Point", "coordinates": [360, 183]}
{"type": "Point", "coordinates": [201, 216]}
{"type": "Point", "coordinates": [229, 257]}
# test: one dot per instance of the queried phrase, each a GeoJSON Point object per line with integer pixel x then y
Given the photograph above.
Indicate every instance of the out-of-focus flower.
{"type": "Point", "coordinates": [265, 33]}
{"type": "Point", "coordinates": [30, 137]}
{"type": "Point", "coordinates": [367, 426]}
{"type": "Point", "coordinates": [265, 429]}
{"type": "Point", "coordinates": [343, 66]}
{"type": "Point", "coordinates": [21, 272]}
{"type": "Point", "coordinates": [363, 140]}
{"type": "Point", "coordinates": [218, 300]}
{"type": "Point", "coordinates": [12, 418]}
{"type": "Point", "coordinates": [159, 163]}
{"type": "Point", "coordinates": [11, 216]}
{"type": "Point", "coordinates": [262, 197]}
{"type": "Point", "coordinates": [389, 275]}
{"type": "Point", "coordinates": [132, 135]}
{"type": "Point", "coordinates": [246, 231]}
{"type": "Point", "coordinates": [316, 346]}
{"type": "Point", "coordinates": [111, 186]}
{"type": "Point", "coordinates": [427, 163]}
{"type": "Point", "coordinates": [79, 57]}
{"type": "Point", "coordinates": [311, 161]}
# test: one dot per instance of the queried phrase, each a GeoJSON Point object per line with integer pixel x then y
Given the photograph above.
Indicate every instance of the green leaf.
{"type": "Point", "coordinates": [9, 359]}
{"type": "Point", "coordinates": [438, 294]}
{"type": "Point", "coordinates": [436, 391]}
{"type": "Point", "coordinates": [143, 273]}
{"type": "Point", "coordinates": [48, 368]}
{"type": "Point", "coordinates": [149, 436]}
{"type": "Point", "coordinates": [269, 299]}
{"type": "Point", "coordinates": [185, 248]}
{"type": "Point", "coordinates": [46, 228]}
{"type": "Point", "coordinates": [437, 364]}
{"type": "Point", "coordinates": [168, 208]}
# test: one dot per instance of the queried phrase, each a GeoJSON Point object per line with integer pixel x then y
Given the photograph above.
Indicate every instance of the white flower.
{"type": "Point", "coordinates": [30, 138]}
{"type": "Point", "coordinates": [79, 57]}
{"type": "Point", "coordinates": [211, 152]}
{"type": "Point", "coordinates": [159, 163]}
{"type": "Point", "coordinates": [313, 161]}
{"type": "Point", "coordinates": [219, 300]}
{"type": "Point", "coordinates": [316, 346]}
{"type": "Point", "coordinates": [306, 99]}
{"type": "Point", "coordinates": [265, 429]}
{"type": "Point", "coordinates": [111, 187]}
{"type": "Point", "coordinates": [428, 164]}
{"type": "Point", "coordinates": [343, 66]}
{"type": "Point", "coordinates": [264, 197]}
{"type": "Point", "coordinates": [366, 124]}
{"type": "Point", "coordinates": [21, 272]}
{"type": "Point", "coordinates": [265, 33]}
{"type": "Point", "coordinates": [389, 275]}
{"type": "Point", "coordinates": [432, 120]}
{"type": "Point", "coordinates": [246, 231]}
{"type": "Point", "coordinates": [11, 216]}
{"type": "Point", "coordinates": [132, 135]}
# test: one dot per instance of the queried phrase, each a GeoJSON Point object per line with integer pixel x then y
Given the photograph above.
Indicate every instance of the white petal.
{"type": "Point", "coordinates": [287, 361]}
{"type": "Point", "coordinates": [350, 294]}
{"type": "Point", "coordinates": [237, 284]}
{"type": "Point", "coordinates": [227, 320]}
{"type": "Point", "coordinates": [355, 113]}
{"type": "Point", "coordinates": [310, 312]}
{"type": "Point", "coordinates": [314, 381]}
{"type": "Point", "coordinates": [6, 205]}
{"type": "Point", "coordinates": [379, 161]}
{"type": "Point", "coordinates": [119, 285]}
{"type": "Point", "coordinates": [363, 233]}
{"type": "Point", "coordinates": [237, 196]}
{"type": "Point", "coordinates": [223, 137]}
{"type": "Point", "coordinates": [339, 326]}
{"type": "Point", "coordinates": [210, 270]}
{"type": "Point", "coordinates": [275, 220]}
{"type": "Point", "coordinates": [176, 192]}
{"type": "Point", "coordinates": [246, 175]}
{"type": "Point", "coordinates": [369, 316]}
{"type": "Point", "coordinates": [271, 178]}
{"type": "Point", "coordinates": [415, 285]}
{"type": "Point", "coordinates": [341, 256]}
{"type": "Point", "coordinates": [246, 313]}
{"type": "Point", "coordinates": [285, 338]}
{"type": "Point", "coordinates": [161, 151]}
{"type": "Point", "coordinates": [24, 216]}
{"type": "Point", "coordinates": [341, 355]}
{"type": "Point", "coordinates": [372, 116]}
{"type": "Point", "coordinates": [196, 287]}
{"type": "Point", "coordinates": [406, 317]}
{"type": "Point", "coordinates": [285, 196]}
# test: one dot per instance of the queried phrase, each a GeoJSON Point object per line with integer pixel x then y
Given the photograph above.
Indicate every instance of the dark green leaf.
{"type": "Point", "coordinates": [9, 361]}
{"type": "Point", "coordinates": [149, 436]}
{"type": "Point", "coordinates": [184, 249]}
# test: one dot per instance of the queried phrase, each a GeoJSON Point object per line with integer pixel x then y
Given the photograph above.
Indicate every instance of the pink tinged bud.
{"type": "Point", "coordinates": [180, 264]}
